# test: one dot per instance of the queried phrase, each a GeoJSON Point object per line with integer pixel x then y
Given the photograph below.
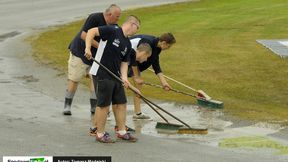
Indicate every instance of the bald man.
{"type": "Point", "coordinates": [78, 64]}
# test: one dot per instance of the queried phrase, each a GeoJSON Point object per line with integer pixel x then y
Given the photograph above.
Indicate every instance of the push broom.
{"type": "Point", "coordinates": [201, 97]}
{"type": "Point", "coordinates": [166, 125]}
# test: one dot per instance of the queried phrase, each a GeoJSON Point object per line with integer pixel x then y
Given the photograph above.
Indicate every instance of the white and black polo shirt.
{"type": "Point", "coordinates": [113, 49]}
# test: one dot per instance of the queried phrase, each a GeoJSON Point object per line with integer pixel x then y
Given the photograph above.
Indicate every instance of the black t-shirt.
{"type": "Point", "coordinates": [154, 58]}
{"type": "Point", "coordinates": [132, 56]}
{"type": "Point", "coordinates": [77, 46]}
{"type": "Point", "coordinates": [113, 49]}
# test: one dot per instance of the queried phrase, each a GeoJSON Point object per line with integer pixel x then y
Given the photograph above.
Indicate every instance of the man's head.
{"type": "Point", "coordinates": [166, 40]}
{"type": "Point", "coordinates": [143, 51]}
{"type": "Point", "coordinates": [112, 14]}
{"type": "Point", "coordinates": [131, 25]}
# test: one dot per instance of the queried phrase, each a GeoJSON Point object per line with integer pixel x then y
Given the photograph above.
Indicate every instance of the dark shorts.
{"type": "Point", "coordinates": [109, 91]}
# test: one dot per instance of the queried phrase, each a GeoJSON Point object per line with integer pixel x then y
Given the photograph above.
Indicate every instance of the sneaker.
{"type": "Point", "coordinates": [105, 138]}
{"type": "Point", "coordinates": [93, 131]}
{"type": "Point", "coordinates": [128, 129]}
{"type": "Point", "coordinates": [141, 116]}
{"type": "Point", "coordinates": [127, 137]}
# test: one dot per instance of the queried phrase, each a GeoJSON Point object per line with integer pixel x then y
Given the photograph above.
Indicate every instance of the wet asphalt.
{"type": "Point", "coordinates": [31, 100]}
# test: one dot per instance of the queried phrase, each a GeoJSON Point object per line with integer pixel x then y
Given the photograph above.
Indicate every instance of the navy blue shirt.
{"type": "Point", "coordinates": [77, 46]}
{"type": "Point", "coordinates": [154, 58]}
{"type": "Point", "coordinates": [116, 49]}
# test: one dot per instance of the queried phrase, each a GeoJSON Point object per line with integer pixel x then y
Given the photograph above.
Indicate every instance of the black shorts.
{"type": "Point", "coordinates": [109, 91]}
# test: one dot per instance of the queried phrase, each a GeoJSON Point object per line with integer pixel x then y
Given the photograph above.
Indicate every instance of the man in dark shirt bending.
{"type": "Point", "coordinates": [165, 41]}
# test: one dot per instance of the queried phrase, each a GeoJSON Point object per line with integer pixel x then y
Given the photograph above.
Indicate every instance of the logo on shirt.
{"type": "Point", "coordinates": [124, 52]}
{"type": "Point", "coordinates": [116, 42]}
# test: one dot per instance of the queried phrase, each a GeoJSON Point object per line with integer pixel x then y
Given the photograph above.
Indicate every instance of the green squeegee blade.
{"type": "Point", "coordinates": [210, 103]}
{"type": "Point", "coordinates": [169, 126]}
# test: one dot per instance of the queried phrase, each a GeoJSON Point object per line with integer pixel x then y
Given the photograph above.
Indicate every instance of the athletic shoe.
{"type": "Point", "coordinates": [128, 129]}
{"type": "Point", "coordinates": [93, 131]}
{"type": "Point", "coordinates": [141, 116]}
{"type": "Point", "coordinates": [105, 138]}
{"type": "Point", "coordinates": [127, 137]}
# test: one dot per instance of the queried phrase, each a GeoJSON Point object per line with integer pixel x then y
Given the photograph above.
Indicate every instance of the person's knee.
{"type": "Point", "coordinates": [72, 82]}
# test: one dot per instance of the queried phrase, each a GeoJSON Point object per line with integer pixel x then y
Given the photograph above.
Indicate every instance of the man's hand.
{"type": "Point", "coordinates": [88, 54]}
{"type": "Point", "coordinates": [166, 87]}
{"type": "Point", "coordinates": [135, 90]}
{"type": "Point", "coordinates": [125, 82]}
{"type": "Point", "coordinates": [138, 80]}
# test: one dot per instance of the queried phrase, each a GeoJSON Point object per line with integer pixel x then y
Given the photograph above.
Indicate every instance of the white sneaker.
{"type": "Point", "coordinates": [141, 116]}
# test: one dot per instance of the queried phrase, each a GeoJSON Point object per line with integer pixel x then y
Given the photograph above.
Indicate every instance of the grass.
{"type": "Point", "coordinates": [216, 51]}
{"type": "Point", "coordinates": [254, 142]}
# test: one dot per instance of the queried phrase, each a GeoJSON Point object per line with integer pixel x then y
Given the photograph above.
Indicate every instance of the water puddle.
{"type": "Point", "coordinates": [8, 35]}
{"type": "Point", "coordinates": [220, 132]}
{"type": "Point", "coordinates": [28, 78]}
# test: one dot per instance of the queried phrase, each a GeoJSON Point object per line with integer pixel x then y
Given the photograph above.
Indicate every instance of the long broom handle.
{"type": "Point", "coordinates": [135, 91]}
{"type": "Point", "coordinates": [155, 110]}
{"type": "Point", "coordinates": [177, 82]}
{"type": "Point", "coordinates": [166, 111]}
{"type": "Point", "coordinates": [174, 90]}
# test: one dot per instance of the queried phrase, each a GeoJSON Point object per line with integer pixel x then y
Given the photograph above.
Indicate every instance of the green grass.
{"type": "Point", "coordinates": [216, 51]}
{"type": "Point", "coordinates": [254, 142]}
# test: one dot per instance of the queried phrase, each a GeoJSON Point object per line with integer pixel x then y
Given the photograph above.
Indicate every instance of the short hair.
{"type": "Point", "coordinates": [168, 38]}
{"type": "Point", "coordinates": [145, 47]}
{"type": "Point", "coordinates": [131, 18]}
{"type": "Point", "coordinates": [111, 7]}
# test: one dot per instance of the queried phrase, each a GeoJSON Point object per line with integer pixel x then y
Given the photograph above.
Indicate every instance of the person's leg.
{"type": "Point", "coordinates": [137, 100]}
{"type": "Point", "coordinates": [70, 92]}
{"type": "Point", "coordinates": [119, 100]}
{"type": "Point", "coordinates": [101, 116]}
{"type": "Point", "coordinates": [120, 115]}
{"type": "Point", "coordinates": [75, 73]}
{"type": "Point", "coordinates": [127, 128]}
{"type": "Point", "coordinates": [104, 96]}
{"type": "Point", "coordinates": [93, 103]}
{"type": "Point", "coordinates": [138, 114]}
{"type": "Point", "coordinates": [93, 98]}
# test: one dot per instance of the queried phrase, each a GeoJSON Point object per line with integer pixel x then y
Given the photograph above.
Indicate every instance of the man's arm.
{"type": "Point", "coordinates": [163, 81]}
{"type": "Point", "coordinates": [158, 72]}
{"type": "Point", "coordinates": [124, 69]}
{"type": "Point", "coordinates": [136, 75]}
{"type": "Point", "coordinates": [94, 42]}
{"type": "Point", "coordinates": [88, 41]}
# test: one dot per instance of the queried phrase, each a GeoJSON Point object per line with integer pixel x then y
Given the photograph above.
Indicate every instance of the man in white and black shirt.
{"type": "Point", "coordinates": [163, 42]}
{"type": "Point", "coordinates": [113, 53]}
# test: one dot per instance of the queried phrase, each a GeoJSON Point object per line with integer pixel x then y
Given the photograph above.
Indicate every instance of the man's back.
{"type": "Point", "coordinates": [77, 45]}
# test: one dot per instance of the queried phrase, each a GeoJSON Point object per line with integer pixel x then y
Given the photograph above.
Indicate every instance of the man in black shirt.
{"type": "Point", "coordinates": [113, 53]}
{"type": "Point", "coordinates": [78, 64]}
{"type": "Point", "coordinates": [165, 41]}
